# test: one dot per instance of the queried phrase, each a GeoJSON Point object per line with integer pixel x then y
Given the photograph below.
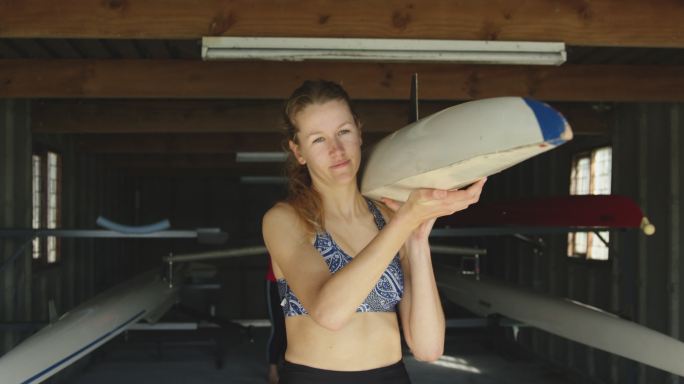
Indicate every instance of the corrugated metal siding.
{"type": "Point", "coordinates": [649, 142]}
{"type": "Point", "coordinates": [15, 192]}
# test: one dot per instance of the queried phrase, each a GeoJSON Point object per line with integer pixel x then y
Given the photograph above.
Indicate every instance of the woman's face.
{"type": "Point", "coordinates": [329, 142]}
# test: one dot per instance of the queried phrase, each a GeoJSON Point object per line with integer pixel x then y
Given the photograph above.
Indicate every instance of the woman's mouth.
{"type": "Point", "coordinates": [340, 164]}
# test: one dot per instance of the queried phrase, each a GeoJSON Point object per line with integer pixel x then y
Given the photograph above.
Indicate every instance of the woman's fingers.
{"type": "Point", "coordinates": [438, 194]}
{"type": "Point", "coordinates": [432, 203]}
{"type": "Point", "coordinates": [463, 198]}
{"type": "Point", "coordinates": [476, 188]}
{"type": "Point", "coordinates": [391, 204]}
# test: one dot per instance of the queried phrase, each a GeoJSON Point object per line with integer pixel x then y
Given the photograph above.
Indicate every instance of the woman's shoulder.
{"type": "Point", "coordinates": [282, 212]}
{"type": "Point", "coordinates": [281, 233]}
{"type": "Point", "coordinates": [284, 217]}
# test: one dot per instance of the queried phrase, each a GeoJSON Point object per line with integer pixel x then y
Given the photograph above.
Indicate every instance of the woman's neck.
{"type": "Point", "coordinates": [342, 202]}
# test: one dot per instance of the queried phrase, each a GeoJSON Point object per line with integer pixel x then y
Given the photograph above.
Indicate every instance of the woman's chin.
{"type": "Point", "coordinates": [342, 177]}
{"type": "Point", "coordinates": [345, 179]}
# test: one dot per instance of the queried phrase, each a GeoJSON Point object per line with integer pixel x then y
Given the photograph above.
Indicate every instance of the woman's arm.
{"type": "Point", "coordinates": [420, 309]}
{"type": "Point", "coordinates": [331, 300]}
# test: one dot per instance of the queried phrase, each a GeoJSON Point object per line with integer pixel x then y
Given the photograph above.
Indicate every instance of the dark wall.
{"type": "Point", "coordinates": [15, 211]}
{"type": "Point", "coordinates": [223, 202]}
{"type": "Point", "coordinates": [641, 281]}
{"type": "Point", "coordinates": [86, 266]}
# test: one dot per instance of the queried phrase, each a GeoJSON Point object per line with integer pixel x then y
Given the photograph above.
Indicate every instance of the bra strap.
{"type": "Point", "coordinates": [377, 215]}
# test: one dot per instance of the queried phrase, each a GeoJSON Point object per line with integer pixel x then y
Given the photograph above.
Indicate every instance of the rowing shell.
{"type": "Point", "coordinates": [85, 328]}
{"type": "Point", "coordinates": [563, 317]}
{"type": "Point", "coordinates": [458, 145]}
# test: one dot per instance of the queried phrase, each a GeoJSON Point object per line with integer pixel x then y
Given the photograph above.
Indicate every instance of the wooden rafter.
{"type": "Point", "coordinates": [271, 80]}
{"type": "Point", "coordinates": [212, 143]}
{"type": "Point", "coordinates": [194, 116]}
{"type": "Point", "coordinates": [213, 126]}
{"type": "Point", "coordinates": [600, 22]}
{"type": "Point", "coordinates": [178, 143]}
{"type": "Point", "coordinates": [193, 161]}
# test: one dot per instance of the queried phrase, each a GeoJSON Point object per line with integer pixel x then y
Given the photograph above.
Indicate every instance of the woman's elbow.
{"type": "Point", "coordinates": [331, 324]}
{"type": "Point", "coordinates": [329, 320]}
{"type": "Point", "coordinates": [429, 354]}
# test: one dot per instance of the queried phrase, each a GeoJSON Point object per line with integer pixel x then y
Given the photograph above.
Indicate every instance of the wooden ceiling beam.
{"type": "Point", "coordinates": [599, 22]}
{"type": "Point", "coordinates": [193, 161]}
{"type": "Point", "coordinates": [363, 81]}
{"type": "Point", "coordinates": [211, 126]}
{"type": "Point", "coordinates": [177, 165]}
{"type": "Point", "coordinates": [184, 143]}
{"type": "Point", "coordinates": [178, 143]}
{"type": "Point", "coordinates": [195, 116]}
{"type": "Point", "coordinates": [190, 173]}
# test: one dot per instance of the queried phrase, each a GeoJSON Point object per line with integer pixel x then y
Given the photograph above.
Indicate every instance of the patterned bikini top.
{"type": "Point", "coordinates": [384, 296]}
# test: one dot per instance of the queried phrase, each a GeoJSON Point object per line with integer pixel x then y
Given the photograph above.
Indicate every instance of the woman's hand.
{"type": "Point", "coordinates": [424, 206]}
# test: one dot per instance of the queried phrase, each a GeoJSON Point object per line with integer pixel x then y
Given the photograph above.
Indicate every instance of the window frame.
{"type": "Point", "coordinates": [591, 237]}
{"type": "Point", "coordinates": [43, 151]}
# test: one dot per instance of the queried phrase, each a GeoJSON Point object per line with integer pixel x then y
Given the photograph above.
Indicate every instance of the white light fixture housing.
{"type": "Point", "coordinates": [263, 180]}
{"type": "Point", "coordinates": [260, 157]}
{"type": "Point", "coordinates": [390, 50]}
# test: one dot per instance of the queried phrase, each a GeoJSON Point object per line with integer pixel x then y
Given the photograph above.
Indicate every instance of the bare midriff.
{"type": "Point", "coordinates": [369, 340]}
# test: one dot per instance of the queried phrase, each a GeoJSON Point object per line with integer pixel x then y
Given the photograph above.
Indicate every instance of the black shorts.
{"type": "Point", "coordinates": [301, 374]}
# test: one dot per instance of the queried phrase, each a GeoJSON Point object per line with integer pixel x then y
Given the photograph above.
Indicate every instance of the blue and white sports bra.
{"type": "Point", "coordinates": [383, 298]}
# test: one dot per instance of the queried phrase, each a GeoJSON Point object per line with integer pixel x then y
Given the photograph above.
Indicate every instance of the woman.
{"type": "Point", "coordinates": [276, 341]}
{"type": "Point", "coordinates": [346, 265]}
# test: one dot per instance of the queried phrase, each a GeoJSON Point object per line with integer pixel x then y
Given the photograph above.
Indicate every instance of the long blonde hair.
{"type": "Point", "coordinates": [302, 196]}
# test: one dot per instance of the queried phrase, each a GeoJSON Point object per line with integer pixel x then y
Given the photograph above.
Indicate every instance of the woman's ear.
{"type": "Point", "coordinates": [295, 150]}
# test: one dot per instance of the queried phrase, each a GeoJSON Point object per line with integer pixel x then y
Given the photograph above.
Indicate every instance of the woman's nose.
{"type": "Point", "coordinates": [336, 146]}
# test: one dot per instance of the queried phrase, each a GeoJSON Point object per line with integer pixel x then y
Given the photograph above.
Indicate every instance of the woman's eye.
{"type": "Point", "coordinates": [317, 140]}
{"type": "Point", "coordinates": [344, 131]}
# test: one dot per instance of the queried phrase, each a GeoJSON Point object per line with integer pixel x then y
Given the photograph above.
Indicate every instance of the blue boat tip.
{"type": "Point", "coordinates": [551, 122]}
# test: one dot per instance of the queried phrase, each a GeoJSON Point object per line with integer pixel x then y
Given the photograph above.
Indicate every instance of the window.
{"type": "Point", "coordinates": [590, 175]}
{"type": "Point", "coordinates": [46, 190]}
{"type": "Point", "coordinates": [37, 206]}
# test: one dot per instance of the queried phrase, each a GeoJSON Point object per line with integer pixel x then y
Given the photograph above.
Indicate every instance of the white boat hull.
{"type": "Point", "coordinates": [458, 145]}
{"type": "Point", "coordinates": [563, 317]}
{"type": "Point", "coordinates": [85, 328]}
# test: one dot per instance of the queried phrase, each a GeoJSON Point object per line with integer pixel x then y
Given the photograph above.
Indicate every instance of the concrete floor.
{"type": "Point", "coordinates": [191, 357]}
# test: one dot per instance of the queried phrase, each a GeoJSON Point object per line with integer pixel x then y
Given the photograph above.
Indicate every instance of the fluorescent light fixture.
{"type": "Point", "coordinates": [263, 180]}
{"type": "Point", "coordinates": [260, 157]}
{"type": "Point", "coordinates": [393, 50]}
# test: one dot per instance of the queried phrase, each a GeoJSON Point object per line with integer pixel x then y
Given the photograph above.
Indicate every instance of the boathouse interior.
{"type": "Point", "coordinates": [108, 108]}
